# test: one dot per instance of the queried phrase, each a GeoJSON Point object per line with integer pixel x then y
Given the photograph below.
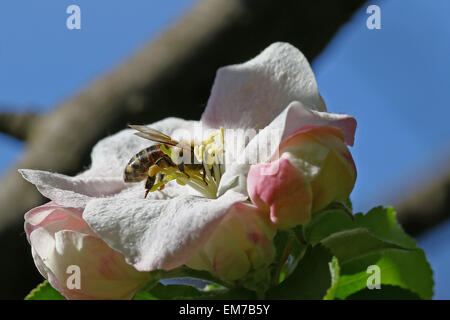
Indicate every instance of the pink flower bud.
{"type": "Point", "coordinates": [315, 168]}
{"type": "Point", "coordinates": [240, 244]}
{"type": "Point", "coordinates": [74, 260]}
{"type": "Point", "coordinates": [286, 194]}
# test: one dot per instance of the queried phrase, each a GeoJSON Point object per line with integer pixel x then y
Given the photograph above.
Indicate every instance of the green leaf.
{"type": "Point", "coordinates": [326, 223]}
{"type": "Point", "coordinates": [280, 241]}
{"type": "Point", "coordinates": [407, 269]}
{"type": "Point", "coordinates": [386, 293]}
{"type": "Point", "coordinates": [352, 244]}
{"type": "Point", "coordinates": [350, 239]}
{"type": "Point", "coordinates": [372, 239]}
{"type": "Point", "coordinates": [143, 295]}
{"type": "Point", "coordinates": [296, 254]}
{"type": "Point", "coordinates": [44, 291]}
{"type": "Point", "coordinates": [335, 274]}
{"type": "Point", "coordinates": [185, 292]}
{"type": "Point", "coordinates": [310, 280]}
{"type": "Point", "coordinates": [382, 223]}
{"type": "Point", "coordinates": [168, 292]}
{"type": "Point", "coordinates": [289, 251]}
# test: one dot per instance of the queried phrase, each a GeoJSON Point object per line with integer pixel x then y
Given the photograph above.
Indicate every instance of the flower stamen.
{"type": "Point", "coordinates": [203, 176]}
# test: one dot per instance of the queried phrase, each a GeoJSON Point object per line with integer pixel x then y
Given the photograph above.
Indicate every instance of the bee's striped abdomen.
{"type": "Point", "coordinates": [137, 168]}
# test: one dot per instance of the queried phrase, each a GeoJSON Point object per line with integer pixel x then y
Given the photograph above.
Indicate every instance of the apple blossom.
{"type": "Point", "coordinates": [60, 238]}
{"type": "Point", "coordinates": [225, 226]}
{"type": "Point", "coordinates": [315, 169]}
{"type": "Point", "coordinates": [242, 242]}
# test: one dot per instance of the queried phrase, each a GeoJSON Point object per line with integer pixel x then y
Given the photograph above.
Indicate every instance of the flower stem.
{"type": "Point", "coordinates": [284, 257]}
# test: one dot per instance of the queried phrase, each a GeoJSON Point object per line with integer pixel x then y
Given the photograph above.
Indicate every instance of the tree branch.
{"type": "Point", "coordinates": [427, 207]}
{"type": "Point", "coordinates": [17, 125]}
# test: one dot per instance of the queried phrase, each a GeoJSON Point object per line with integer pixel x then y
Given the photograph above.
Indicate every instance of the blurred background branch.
{"type": "Point", "coordinates": [17, 125]}
{"type": "Point", "coordinates": [426, 207]}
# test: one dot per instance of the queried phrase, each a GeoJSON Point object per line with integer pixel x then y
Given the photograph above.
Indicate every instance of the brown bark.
{"type": "Point", "coordinates": [426, 207]}
{"type": "Point", "coordinates": [17, 125]}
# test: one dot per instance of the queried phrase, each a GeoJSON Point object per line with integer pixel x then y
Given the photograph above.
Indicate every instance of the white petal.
{"type": "Point", "coordinates": [294, 117]}
{"type": "Point", "coordinates": [171, 190]}
{"type": "Point", "coordinates": [105, 177]}
{"type": "Point", "coordinates": [45, 271]}
{"type": "Point", "coordinates": [154, 234]}
{"type": "Point", "coordinates": [72, 192]}
{"type": "Point", "coordinates": [252, 94]}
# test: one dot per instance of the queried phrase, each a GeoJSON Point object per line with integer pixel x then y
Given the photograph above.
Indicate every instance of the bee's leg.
{"type": "Point", "coordinates": [181, 168]}
{"type": "Point", "coordinates": [163, 162]}
{"type": "Point", "coordinates": [160, 177]}
{"type": "Point", "coordinates": [148, 185]}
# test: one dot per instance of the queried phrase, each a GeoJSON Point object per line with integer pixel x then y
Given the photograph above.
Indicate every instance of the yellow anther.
{"type": "Point", "coordinates": [198, 152]}
{"type": "Point", "coordinates": [207, 150]}
{"type": "Point", "coordinates": [181, 183]}
{"type": "Point", "coordinates": [210, 138]}
{"type": "Point", "coordinates": [204, 180]}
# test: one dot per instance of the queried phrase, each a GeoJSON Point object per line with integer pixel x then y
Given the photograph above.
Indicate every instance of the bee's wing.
{"type": "Point", "coordinates": [154, 135]}
{"type": "Point", "coordinates": [148, 130]}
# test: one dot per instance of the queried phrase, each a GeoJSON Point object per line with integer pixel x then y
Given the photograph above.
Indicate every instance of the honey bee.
{"type": "Point", "coordinates": [138, 168]}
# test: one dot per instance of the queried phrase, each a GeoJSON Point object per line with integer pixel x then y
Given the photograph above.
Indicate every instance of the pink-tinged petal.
{"type": "Point", "coordinates": [330, 137]}
{"type": "Point", "coordinates": [54, 217]}
{"type": "Point", "coordinates": [39, 215]}
{"type": "Point", "coordinates": [241, 243]}
{"type": "Point", "coordinates": [155, 234]}
{"type": "Point", "coordinates": [104, 274]}
{"type": "Point", "coordinates": [283, 191]}
{"type": "Point", "coordinates": [321, 154]}
{"type": "Point", "coordinates": [58, 221]}
{"type": "Point", "coordinates": [298, 117]}
{"type": "Point", "coordinates": [252, 94]}
{"type": "Point", "coordinates": [295, 117]}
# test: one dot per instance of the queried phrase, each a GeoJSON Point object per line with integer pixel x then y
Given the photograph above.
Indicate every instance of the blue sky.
{"type": "Point", "coordinates": [42, 62]}
{"type": "Point", "coordinates": [394, 81]}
